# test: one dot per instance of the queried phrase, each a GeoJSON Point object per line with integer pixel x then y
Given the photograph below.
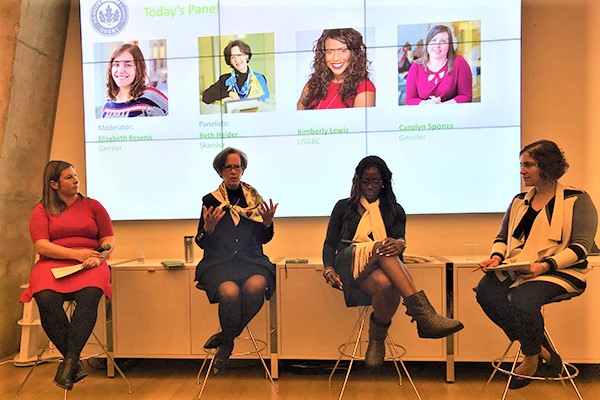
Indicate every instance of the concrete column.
{"type": "Point", "coordinates": [32, 38]}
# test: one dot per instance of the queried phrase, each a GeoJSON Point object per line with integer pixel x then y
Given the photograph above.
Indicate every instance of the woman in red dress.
{"type": "Point", "coordinates": [66, 227]}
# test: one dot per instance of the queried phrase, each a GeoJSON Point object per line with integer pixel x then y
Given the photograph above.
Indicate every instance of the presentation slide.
{"type": "Point", "coordinates": [306, 89]}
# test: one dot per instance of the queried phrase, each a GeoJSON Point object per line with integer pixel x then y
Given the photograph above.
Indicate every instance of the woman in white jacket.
{"type": "Point", "coordinates": [551, 227]}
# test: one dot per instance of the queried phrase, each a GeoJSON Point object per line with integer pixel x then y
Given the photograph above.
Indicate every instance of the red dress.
{"type": "Point", "coordinates": [334, 98]}
{"type": "Point", "coordinates": [80, 225]}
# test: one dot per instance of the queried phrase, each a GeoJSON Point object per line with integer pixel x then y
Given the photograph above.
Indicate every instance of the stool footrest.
{"type": "Point", "coordinates": [342, 349]}
{"type": "Point", "coordinates": [569, 372]}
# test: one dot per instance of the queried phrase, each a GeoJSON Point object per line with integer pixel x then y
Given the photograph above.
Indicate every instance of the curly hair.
{"type": "Point", "coordinates": [321, 76]}
{"type": "Point", "coordinates": [549, 157]}
{"type": "Point", "coordinates": [451, 51]}
{"type": "Point", "coordinates": [141, 77]}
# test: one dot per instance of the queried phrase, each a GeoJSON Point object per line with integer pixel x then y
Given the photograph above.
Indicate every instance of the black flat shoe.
{"type": "Point", "coordinates": [214, 341]}
{"type": "Point", "coordinates": [79, 372]}
{"type": "Point", "coordinates": [552, 368]}
{"type": "Point", "coordinates": [222, 357]}
{"type": "Point", "coordinates": [518, 383]}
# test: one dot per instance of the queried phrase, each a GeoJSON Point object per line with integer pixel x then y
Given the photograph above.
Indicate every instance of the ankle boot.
{"type": "Point", "coordinates": [430, 324]}
{"type": "Point", "coordinates": [79, 372]}
{"type": "Point", "coordinates": [64, 373]}
{"type": "Point", "coordinates": [376, 349]}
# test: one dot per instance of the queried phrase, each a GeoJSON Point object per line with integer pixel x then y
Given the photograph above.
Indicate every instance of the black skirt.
{"type": "Point", "coordinates": [353, 295]}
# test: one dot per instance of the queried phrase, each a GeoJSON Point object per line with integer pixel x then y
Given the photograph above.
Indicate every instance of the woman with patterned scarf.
{"type": "Point", "coordinates": [242, 82]}
{"type": "Point", "coordinates": [234, 271]}
{"type": "Point", "coordinates": [362, 256]}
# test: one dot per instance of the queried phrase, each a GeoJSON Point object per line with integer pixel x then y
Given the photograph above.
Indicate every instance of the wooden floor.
{"type": "Point", "coordinates": [299, 380]}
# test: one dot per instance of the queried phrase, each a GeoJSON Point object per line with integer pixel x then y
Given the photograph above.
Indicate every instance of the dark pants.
{"type": "Point", "coordinates": [69, 337]}
{"type": "Point", "coordinates": [517, 311]}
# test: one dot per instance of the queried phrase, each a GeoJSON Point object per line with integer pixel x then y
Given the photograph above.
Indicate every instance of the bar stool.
{"type": "Point", "coordinates": [396, 352]}
{"type": "Point", "coordinates": [259, 346]}
{"type": "Point", "coordinates": [69, 309]}
{"type": "Point", "coordinates": [569, 371]}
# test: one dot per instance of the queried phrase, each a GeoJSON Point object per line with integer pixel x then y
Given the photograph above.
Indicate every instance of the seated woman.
{"type": "Point", "coordinates": [340, 77]}
{"type": "Point", "coordinates": [127, 89]}
{"type": "Point", "coordinates": [552, 227]}
{"type": "Point", "coordinates": [68, 228]}
{"type": "Point", "coordinates": [242, 82]}
{"type": "Point", "coordinates": [362, 256]}
{"type": "Point", "coordinates": [442, 76]}
{"type": "Point", "coordinates": [234, 271]}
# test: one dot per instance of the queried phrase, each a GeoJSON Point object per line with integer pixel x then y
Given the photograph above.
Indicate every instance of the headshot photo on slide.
{"type": "Point", "coordinates": [439, 63]}
{"type": "Point", "coordinates": [237, 73]}
{"type": "Point", "coordinates": [340, 74]}
{"type": "Point", "coordinates": [129, 83]}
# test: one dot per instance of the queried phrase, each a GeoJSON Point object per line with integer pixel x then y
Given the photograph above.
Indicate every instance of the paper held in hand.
{"type": "Point", "coordinates": [61, 272]}
{"type": "Point", "coordinates": [516, 267]}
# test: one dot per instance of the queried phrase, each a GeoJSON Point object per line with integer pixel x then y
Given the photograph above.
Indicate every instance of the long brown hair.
{"type": "Point", "coordinates": [356, 72]}
{"type": "Point", "coordinates": [141, 77]}
{"type": "Point", "coordinates": [451, 52]}
{"type": "Point", "coordinates": [50, 200]}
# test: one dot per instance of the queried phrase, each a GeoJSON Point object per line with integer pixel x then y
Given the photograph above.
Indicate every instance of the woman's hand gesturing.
{"type": "Point", "coordinates": [212, 216]}
{"type": "Point", "coordinates": [267, 211]}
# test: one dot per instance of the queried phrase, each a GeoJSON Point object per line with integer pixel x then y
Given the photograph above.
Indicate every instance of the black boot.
{"type": "Point", "coordinates": [222, 356]}
{"type": "Point", "coordinates": [64, 373]}
{"type": "Point", "coordinates": [79, 372]}
{"type": "Point", "coordinates": [430, 324]}
{"type": "Point", "coordinates": [376, 349]}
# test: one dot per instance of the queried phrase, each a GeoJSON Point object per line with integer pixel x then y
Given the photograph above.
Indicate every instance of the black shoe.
{"type": "Point", "coordinates": [222, 357]}
{"type": "Point", "coordinates": [79, 372]}
{"type": "Point", "coordinates": [552, 368]}
{"type": "Point", "coordinates": [64, 374]}
{"type": "Point", "coordinates": [518, 383]}
{"type": "Point", "coordinates": [214, 342]}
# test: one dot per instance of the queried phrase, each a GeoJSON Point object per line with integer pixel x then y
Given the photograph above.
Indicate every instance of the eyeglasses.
{"type": "Point", "coordinates": [230, 167]}
{"type": "Point", "coordinates": [374, 182]}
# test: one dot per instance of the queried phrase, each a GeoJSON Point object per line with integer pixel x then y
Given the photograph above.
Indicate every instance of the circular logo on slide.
{"type": "Point", "coordinates": [109, 17]}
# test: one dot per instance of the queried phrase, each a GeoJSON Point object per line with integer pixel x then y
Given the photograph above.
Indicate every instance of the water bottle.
{"type": "Point", "coordinates": [188, 248]}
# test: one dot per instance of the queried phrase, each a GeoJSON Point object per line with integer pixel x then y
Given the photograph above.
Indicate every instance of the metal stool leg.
{"type": "Point", "coordinates": [210, 354]}
{"type": "Point", "coordinates": [396, 353]}
{"type": "Point", "coordinates": [112, 360]}
{"type": "Point", "coordinates": [568, 371]}
{"type": "Point", "coordinates": [354, 351]}
{"type": "Point", "coordinates": [564, 369]}
{"type": "Point", "coordinates": [348, 341]}
{"type": "Point", "coordinates": [396, 356]}
{"type": "Point", "coordinates": [38, 361]}
{"type": "Point", "coordinates": [262, 360]}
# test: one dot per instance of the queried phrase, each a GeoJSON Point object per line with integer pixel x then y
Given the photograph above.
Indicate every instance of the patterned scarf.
{"type": "Point", "coordinates": [250, 89]}
{"type": "Point", "coordinates": [370, 222]}
{"type": "Point", "coordinates": [253, 200]}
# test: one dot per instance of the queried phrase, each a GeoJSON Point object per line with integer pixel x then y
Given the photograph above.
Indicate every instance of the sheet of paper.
{"type": "Point", "coordinates": [61, 272]}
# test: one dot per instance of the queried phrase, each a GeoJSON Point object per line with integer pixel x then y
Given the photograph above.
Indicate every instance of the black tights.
{"type": "Point", "coordinates": [239, 303]}
{"type": "Point", "coordinates": [69, 337]}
